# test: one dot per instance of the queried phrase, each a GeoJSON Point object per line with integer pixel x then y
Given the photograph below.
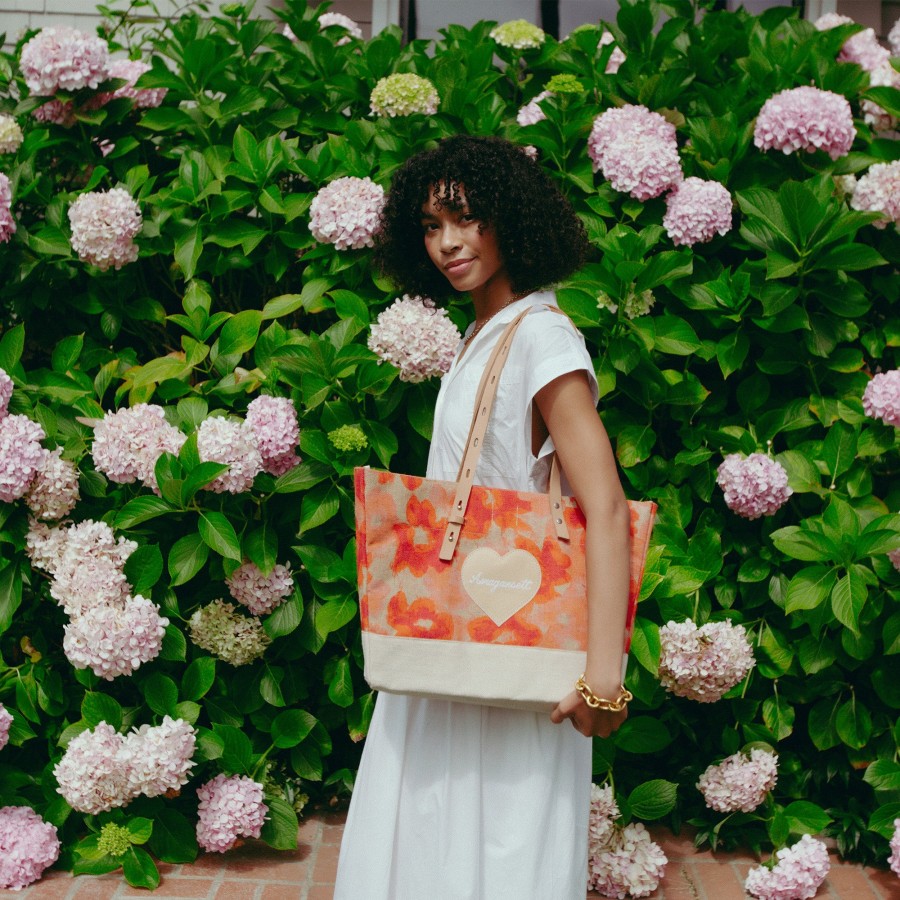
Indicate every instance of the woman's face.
{"type": "Point", "coordinates": [464, 249]}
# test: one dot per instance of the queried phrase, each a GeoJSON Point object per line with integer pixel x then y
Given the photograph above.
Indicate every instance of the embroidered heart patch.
{"type": "Point", "coordinates": [500, 585]}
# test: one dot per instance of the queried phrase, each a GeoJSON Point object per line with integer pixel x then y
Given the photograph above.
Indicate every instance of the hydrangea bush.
{"type": "Point", "coordinates": [196, 351]}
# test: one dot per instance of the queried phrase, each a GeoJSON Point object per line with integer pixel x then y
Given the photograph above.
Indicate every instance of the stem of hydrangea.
{"type": "Point", "coordinates": [261, 761]}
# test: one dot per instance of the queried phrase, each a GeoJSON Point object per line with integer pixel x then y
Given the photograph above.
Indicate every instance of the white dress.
{"type": "Point", "coordinates": [456, 801]}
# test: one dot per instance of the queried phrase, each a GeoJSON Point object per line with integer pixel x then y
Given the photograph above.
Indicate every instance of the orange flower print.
{"type": "Point", "coordinates": [418, 539]}
{"type": "Point", "coordinates": [512, 631]}
{"type": "Point", "coordinates": [418, 619]}
{"type": "Point", "coordinates": [487, 507]}
{"type": "Point", "coordinates": [555, 564]}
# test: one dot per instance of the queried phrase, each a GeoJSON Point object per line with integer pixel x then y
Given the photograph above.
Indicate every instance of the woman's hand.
{"type": "Point", "coordinates": [586, 720]}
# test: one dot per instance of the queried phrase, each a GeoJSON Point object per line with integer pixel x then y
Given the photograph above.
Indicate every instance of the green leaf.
{"type": "Point", "coordinates": [186, 558]}
{"type": "Point", "coordinates": [100, 865]}
{"type": "Point", "coordinates": [779, 717]}
{"type": "Point", "coordinates": [12, 343]}
{"type": "Point", "coordinates": [261, 547]}
{"type": "Point", "coordinates": [848, 599]}
{"type": "Point", "coordinates": [882, 820]}
{"type": "Point", "coordinates": [318, 506]}
{"type": "Point", "coordinates": [634, 444]}
{"type": "Point", "coordinates": [198, 678]}
{"type": "Point", "coordinates": [139, 868]}
{"type": "Point", "coordinates": [806, 818]}
{"type": "Point", "coordinates": [883, 775]}
{"type": "Point", "coordinates": [240, 332]}
{"type": "Point", "coordinates": [642, 734]}
{"type": "Point", "coordinates": [303, 477]}
{"type": "Point", "coordinates": [335, 614]}
{"type": "Point", "coordinates": [174, 838]}
{"type": "Point", "coordinates": [67, 352]}
{"type": "Point", "coordinates": [10, 594]}
{"type": "Point", "coordinates": [219, 534]}
{"type": "Point", "coordinates": [849, 258]}
{"type": "Point", "coordinates": [675, 336]}
{"type": "Point", "coordinates": [141, 509]}
{"type": "Point", "coordinates": [281, 827]}
{"type": "Point", "coordinates": [161, 694]}
{"type": "Point", "coordinates": [291, 727]}
{"type": "Point", "coordinates": [143, 569]}
{"type": "Point", "coordinates": [139, 830]}
{"type": "Point", "coordinates": [731, 352]}
{"type": "Point", "coordinates": [174, 645]}
{"type": "Point", "coordinates": [839, 448]}
{"type": "Point", "coordinates": [286, 618]}
{"type": "Point", "coordinates": [97, 708]}
{"type": "Point", "coordinates": [306, 761]}
{"type": "Point", "coordinates": [800, 544]}
{"type": "Point", "coordinates": [188, 247]}
{"type": "Point", "coordinates": [653, 799]}
{"type": "Point", "coordinates": [340, 687]}
{"type": "Point", "coordinates": [809, 588]}
{"type": "Point", "coordinates": [645, 644]}
{"type": "Point", "coordinates": [854, 724]}
{"type": "Point", "coordinates": [238, 751]}
{"type": "Point", "coordinates": [199, 477]}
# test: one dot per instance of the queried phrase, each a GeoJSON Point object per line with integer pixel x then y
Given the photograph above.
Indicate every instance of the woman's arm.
{"type": "Point", "coordinates": [567, 408]}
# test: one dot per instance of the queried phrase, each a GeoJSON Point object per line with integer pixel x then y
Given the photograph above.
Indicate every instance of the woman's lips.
{"type": "Point", "coordinates": [458, 266]}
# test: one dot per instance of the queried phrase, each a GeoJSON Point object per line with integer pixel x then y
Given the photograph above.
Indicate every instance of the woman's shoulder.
{"type": "Point", "coordinates": [546, 319]}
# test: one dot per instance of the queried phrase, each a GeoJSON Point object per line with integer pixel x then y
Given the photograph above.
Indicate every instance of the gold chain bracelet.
{"type": "Point", "coordinates": [595, 702]}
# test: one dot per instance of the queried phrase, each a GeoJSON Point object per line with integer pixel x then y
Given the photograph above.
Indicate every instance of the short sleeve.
{"type": "Point", "coordinates": [552, 346]}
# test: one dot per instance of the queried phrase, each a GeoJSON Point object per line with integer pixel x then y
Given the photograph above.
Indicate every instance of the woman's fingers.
{"type": "Point", "coordinates": [585, 720]}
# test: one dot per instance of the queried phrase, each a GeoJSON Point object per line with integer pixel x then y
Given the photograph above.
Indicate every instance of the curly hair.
{"type": "Point", "coordinates": [540, 239]}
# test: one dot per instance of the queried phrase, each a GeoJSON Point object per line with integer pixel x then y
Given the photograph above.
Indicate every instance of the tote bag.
{"type": "Point", "coordinates": [477, 594]}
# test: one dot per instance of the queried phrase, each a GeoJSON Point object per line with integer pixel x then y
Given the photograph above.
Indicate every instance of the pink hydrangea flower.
{"type": "Point", "coordinates": [230, 808]}
{"type": "Point", "coordinates": [104, 225]}
{"type": "Point", "coordinates": [54, 491]}
{"type": "Point", "coordinates": [159, 757]}
{"type": "Point", "coordinates": [224, 632]}
{"type": "Point", "coordinates": [879, 191]}
{"type": "Point", "coordinates": [831, 20]}
{"type": "Point", "coordinates": [894, 557]}
{"type": "Point", "coordinates": [260, 593]}
{"type": "Point", "coordinates": [703, 663]}
{"type": "Point", "coordinates": [88, 568]}
{"type": "Point", "coordinates": [881, 398]}
{"type": "Point", "coordinates": [93, 773]}
{"type": "Point", "coordinates": [630, 865]}
{"type": "Point", "coordinates": [347, 213]}
{"type": "Point", "coordinates": [5, 722]}
{"type": "Point", "coordinates": [617, 57]}
{"type": "Point", "coordinates": [414, 336]}
{"type": "Point", "coordinates": [894, 858]}
{"type": "Point", "coordinates": [63, 59]}
{"type": "Point", "coordinates": [6, 390]}
{"type": "Point", "coordinates": [11, 136]}
{"type": "Point", "coordinates": [799, 873]}
{"type": "Point", "coordinates": [331, 19]}
{"type": "Point", "coordinates": [531, 113]}
{"type": "Point", "coordinates": [128, 443]}
{"type": "Point", "coordinates": [739, 782]}
{"type": "Point", "coordinates": [893, 38]}
{"type": "Point", "coordinates": [131, 70]}
{"type": "Point", "coordinates": [754, 485]}
{"type": "Point", "coordinates": [805, 118]}
{"type": "Point", "coordinates": [696, 211]}
{"type": "Point", "coordinates": [44, 546]}
{"type": "Point", "coordinates": [7, 222]}
{"type": "Point", "coordinates": [115, 640]}
{"type": "Point", "coordinates": [57, 112]}
{"type": "Point", "coordinates": [863, 49]}
{"type": "Point", "coordinates": [636, 151]}
{"type": "Point", "coordinates": [603, 815]}
{"type": "Point", "coordinates": [882, 122]}
{"type": "Point", "coordinates": [28, 845]}
{"type": "Point", "coordinates": [21, 455]}
{"type": "Point", "coordinates": [223, 440]}
{"type": "Point", "coordinates": [273, 422]}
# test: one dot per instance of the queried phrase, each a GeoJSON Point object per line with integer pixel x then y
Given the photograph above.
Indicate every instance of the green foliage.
{"type": "Point", "coordinates": [762, 339]}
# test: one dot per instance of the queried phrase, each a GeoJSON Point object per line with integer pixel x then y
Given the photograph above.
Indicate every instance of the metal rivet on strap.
{"type": "Point", "coordinates": [559, 521]}
{"type": "Point", "coordinates": [459, 504]}
{"type": "Point", "coordinates": [556, 506]}
{"type": "Point", "coordinates": [475, 442]}
{"type": "Point", "coordinates": [449, 537]}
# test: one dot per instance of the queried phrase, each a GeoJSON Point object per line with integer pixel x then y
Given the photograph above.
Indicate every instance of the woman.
{"type": "Point", "coordinates": [456, 800]}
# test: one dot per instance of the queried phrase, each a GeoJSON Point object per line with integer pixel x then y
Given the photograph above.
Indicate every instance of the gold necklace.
{"type": "Point", "coordinates": [484, 322]}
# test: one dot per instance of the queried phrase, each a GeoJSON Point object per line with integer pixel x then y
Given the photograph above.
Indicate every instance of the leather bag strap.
{"type": "Point", "coordinates": [484, 402]}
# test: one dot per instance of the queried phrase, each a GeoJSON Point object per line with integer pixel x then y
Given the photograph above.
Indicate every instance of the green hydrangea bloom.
{"type": "Point", "coordinates": [634, 305]}
{"type": "Point", "coordinates": [565, 84]}
{"type": "Point", "coordinates": [348, 438]}
{"type": "Point", "coordinates": [225, 633]}
{"type": "Point", "coordinates": [403, 95]}
{"type": "Point", "coordinates": [114, 840]}
{"type": "Point", "coordinates": [518, 34]}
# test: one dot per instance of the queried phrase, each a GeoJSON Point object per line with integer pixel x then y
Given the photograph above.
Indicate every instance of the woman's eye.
{"type": "Point", "coordinates": [469, 217]}
{"type": "Point", "coordinates": [429, 226]}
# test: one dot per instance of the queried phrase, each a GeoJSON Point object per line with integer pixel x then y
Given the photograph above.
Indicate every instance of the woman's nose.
{"type": "Point", "coordinates": [449, 238]}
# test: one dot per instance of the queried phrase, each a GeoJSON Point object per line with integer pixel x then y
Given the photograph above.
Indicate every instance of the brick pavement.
{"type": "Point", "coordinates": [256, 872]}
